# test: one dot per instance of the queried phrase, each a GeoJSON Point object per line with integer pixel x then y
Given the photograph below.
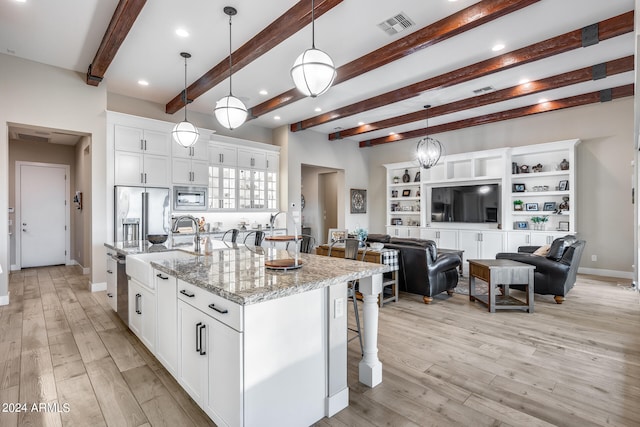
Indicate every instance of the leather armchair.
{"type": "Point", "coordinates": [422, 271]}
{"type": "Point", "coordinates": [555, 274]}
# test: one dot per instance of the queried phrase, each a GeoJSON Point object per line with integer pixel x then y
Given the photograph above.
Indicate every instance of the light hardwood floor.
{"type": "Point", "coordinates": [447, 363]}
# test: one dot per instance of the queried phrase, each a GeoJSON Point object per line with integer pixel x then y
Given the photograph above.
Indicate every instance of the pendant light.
{"type": "Point", "coordinates": [230, 111]}
{"type": "Point", "coordinates": [185, 133]}
{"type": "Point", "coordinates": [313, 72]}
{"type": "Point", "coordinates": [429, 149]}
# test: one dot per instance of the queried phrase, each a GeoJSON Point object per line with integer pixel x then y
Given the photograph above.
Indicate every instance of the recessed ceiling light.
{"type": "Point", "coordinates": [182, 32]}
{"type": "Point", "coordinates": [497, 47]}
{"type": "Point", "coordinates": [276, 117]}
{"type": "Point", "coordinates": [391, 133]}
{"type": "Point", "coordinates": [263, 92]}
{"type": "Point", "coordinates": [317, 109]}
{"type": "Point", "coordinates": [143, 83]}
{"type": "Point", "coordinates": [21, 1]}
{"type": "Point", "coordinates": [360, 123]}
{"type": "Point", "coordinates": [542, 100]}
{"type": "Point", "coordinates": [524, 81]}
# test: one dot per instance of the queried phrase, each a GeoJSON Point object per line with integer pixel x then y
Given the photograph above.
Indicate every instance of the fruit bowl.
{"type": "Point", "coordinates": [156, 239]}
{"type": "Point", "coordinates": [376, 246]}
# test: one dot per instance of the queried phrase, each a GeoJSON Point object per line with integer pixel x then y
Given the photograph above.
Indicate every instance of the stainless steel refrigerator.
{"type": "Point", "coordinates": [139, 211]}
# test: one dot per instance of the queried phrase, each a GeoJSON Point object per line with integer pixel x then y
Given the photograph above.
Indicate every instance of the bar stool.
{"type": "Point", "coordinates": [258, 237]}
{"type": "Point", "coordinates": [233, 233]}
{"type": "Point", "coordinates": [351, 247]}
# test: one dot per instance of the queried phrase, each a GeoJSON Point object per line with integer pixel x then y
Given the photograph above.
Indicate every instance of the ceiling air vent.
{"type": "Point", "coordinates": [482, 90]}
{"type": "Point", "coordinates": [32, 138]}
{"type": "Point", "coordinates": [396, 24]}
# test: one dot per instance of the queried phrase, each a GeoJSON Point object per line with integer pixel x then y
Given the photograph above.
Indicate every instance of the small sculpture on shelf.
{"type": "Point", "coordinates": [406, 177]}
{"type": "Point", "coordinates": [564, 206]}
{"type": "Point", "coordinates": [537, 168]}
{"type": "Point", "coordinates": [524, 168]}
{"type": "Point", "coordinates": [564, 165]}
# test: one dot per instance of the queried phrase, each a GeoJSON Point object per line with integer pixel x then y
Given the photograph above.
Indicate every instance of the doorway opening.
{"type": "Point", "coordinates": [323, 191]}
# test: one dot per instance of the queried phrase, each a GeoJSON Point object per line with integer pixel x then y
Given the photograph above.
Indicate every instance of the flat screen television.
{"type": "Point", "coordinates": [465, 203]}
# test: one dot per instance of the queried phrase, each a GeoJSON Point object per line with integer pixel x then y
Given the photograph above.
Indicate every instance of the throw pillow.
{"type": "Point", "coordinates": [542, 250]}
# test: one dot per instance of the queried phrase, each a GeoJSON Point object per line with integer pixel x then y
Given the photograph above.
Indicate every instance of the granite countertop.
{"type": "Point", "coordinates": [240, 276]}
{"type": "Point", "coordinates": [144, 247]}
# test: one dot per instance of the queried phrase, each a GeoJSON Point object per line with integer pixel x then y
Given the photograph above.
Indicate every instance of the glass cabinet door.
{"type": "Point", "coordinates": [222, 187]}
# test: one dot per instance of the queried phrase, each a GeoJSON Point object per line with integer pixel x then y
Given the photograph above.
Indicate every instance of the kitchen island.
{"type": "Point", "coordinates": [263, 347]}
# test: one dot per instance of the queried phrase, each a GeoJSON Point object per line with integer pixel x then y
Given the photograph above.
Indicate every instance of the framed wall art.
{"type": "Point", "coordinates": [358, 201]}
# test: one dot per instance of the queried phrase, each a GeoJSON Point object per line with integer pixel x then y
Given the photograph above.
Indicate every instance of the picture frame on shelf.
{"type": "Point", "coordinates": [521, 225]}
{"type": "Point", "coordinates": [549, 206]}
{"type": "Point", "coordinates": [417, 178]}
{"type": "Point", "coordinates": [563, 185]}
{"type": "Point", "coordinates": [531, 207]}
{"type": "Point", "coordinates": [519, 188]}
{"type": "Point", "coordinates": [358, 201]}
{"type": "Point", "coordinates": [406, 193]}
{"type": "Point", "coordinates": [563, 226]}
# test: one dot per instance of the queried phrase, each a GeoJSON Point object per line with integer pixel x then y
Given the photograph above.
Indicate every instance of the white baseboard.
{"type": "Point", "coordinates": [86, 270]}
{"type": "Point", "coordinates": [607, 273]}
{"type": "Point", "coordinates": [337, 402]}
{"type": "Point", "coordinates": [4, 299]}
{"type": "Point", "coordinates": [97, 287]}
{"type": "Point", "coordinates": [14, 267]}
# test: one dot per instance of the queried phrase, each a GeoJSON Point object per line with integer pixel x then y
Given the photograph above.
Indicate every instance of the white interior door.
{"type": "Point", "coordinates": [43, 214]}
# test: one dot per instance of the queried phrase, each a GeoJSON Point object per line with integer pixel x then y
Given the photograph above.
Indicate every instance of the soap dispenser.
{"type": "Point", "coordinates": [208, 247]}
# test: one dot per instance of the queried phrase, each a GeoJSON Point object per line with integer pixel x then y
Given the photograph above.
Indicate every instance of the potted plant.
{"type": "Point", "coordinates": [539, 221]}
{"type": "Point", "coordinates": [517, 205]}
{"type": "Point", "coordinates": [361, 234]}
{"type": "Point", "coordinates": [396, 179]}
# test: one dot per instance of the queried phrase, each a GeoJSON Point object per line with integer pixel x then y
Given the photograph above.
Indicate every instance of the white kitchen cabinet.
{"type": "Point", "coordinates": [446, 239]}
{"type": "Point", "coordinates": [412, 232]}
{"type": "Point", "coordinates": [273, 162]}
{"type": "Point", "coordinates": [141, 169]}
{"type": "Point", "coordinates": [142, 313]}
{"type": "Point", "coordinates": [112, 281]}
{"type": "Point", "coordinates": [167, 307]}
{"type": "Point", "coordinates": [190, 172]}
{"type": "Point", "coordinates": [252, 189]}
{"type": "Point", "coordinates": [220, 154]}
{"type": "Point", "coordinates": [252, 159]}
{"type": "Point", "coordinates": [210, 354]}
{"type": "Point", "coordinates": [515, 239]}
{"type": "Point", "coordinates": [222, 187]}
{"type": "Point", "coordinates": [198, 151]}
{"type": "Point", "coordinates": [140, 140]}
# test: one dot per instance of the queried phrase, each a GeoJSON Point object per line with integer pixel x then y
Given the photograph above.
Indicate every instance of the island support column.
{"type": "Point", "coordinates": [370, 367]}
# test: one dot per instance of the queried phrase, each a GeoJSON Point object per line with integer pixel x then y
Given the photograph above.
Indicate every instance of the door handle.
{"type": "Point", "coordinates": [188, 294]}
{"type": "Point", "coordinates": [110, 295]}
{"type": "Point", "coordinates": [162, 277]}
{"type": "Point", "coordinates": [109, 272]}
{"type": "Point", "coordinates": [219, 310]}
{"type": "Point", "coordinates": [202, 350]}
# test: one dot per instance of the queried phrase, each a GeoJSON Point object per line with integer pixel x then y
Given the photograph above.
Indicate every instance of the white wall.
{"type": "Point", "coordinates": [314, 149]}
{"type": "Point", "coordinates": [41, 95]}
{"type": "Point", "coordinates": [604, 174]}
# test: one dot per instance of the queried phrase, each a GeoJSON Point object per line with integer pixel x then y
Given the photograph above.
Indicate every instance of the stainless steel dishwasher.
{"type": "Point", "coordinates": [122, 287]}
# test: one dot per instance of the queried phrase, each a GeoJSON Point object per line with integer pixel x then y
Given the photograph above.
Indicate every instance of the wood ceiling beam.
{"type": "Point", "coordinates": [122, 20]}
{"type": "Point", "coordinates": [464, 20]}
{"type": "Point", "coordinates": [292, 21]}
{"type": "Point", "coordinates": [573, 101]}
{"type": "Point", "coordinates": [585, 74]}
{"type": "Point", "coordinates": [606, 29]}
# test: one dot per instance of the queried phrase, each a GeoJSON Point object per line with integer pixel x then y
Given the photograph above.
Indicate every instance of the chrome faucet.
{"type": "Point", "coordinates": [196, 224]}
{"type": "Point", "coordinates": [296, 236]}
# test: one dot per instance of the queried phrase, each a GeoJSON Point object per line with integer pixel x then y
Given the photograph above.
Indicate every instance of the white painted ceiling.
{"type": "Point", "coordinates": [67, 33]}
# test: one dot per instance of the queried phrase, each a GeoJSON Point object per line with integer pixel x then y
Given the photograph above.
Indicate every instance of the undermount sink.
{"type": "Point", "coordinates": [139, 266]}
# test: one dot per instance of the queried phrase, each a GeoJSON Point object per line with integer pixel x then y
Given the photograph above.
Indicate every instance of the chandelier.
{"type": "Point", "coordinates": [313, 71]}
{"type": "Point", "coordinates": [230, 111]}
{"type": "Point", "coordinates": [185, 133]}
{"type": "Point", "coordinates": [429, 149]}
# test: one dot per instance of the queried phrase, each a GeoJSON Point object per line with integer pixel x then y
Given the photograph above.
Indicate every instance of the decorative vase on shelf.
{"type": "Point", "coordinates": [564, 165]}
{"type": "Point", "coordinates": [406, 177]}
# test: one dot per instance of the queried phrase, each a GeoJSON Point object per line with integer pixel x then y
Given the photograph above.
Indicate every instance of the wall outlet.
{"type": "Point", "coordinates": [594, 257]}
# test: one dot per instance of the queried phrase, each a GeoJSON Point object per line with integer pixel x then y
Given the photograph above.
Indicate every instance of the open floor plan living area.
{"type": "Point", "coordinates": [319, 212]}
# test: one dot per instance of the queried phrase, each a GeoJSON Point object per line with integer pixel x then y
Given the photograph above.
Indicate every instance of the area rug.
{"type": "Point", "coordinates": [463, 287]}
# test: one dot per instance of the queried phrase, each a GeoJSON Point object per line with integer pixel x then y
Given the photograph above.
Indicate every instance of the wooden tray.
{"type": "Point", "coordinates": [282, 264]}
{"type": "Point", "coordinates": [281, 238]}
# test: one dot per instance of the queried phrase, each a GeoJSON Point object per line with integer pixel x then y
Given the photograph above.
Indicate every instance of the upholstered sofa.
{"type": "Point", "coordinates": [556, 270]}
{"type": "Point", "coordinates": [421, 271]}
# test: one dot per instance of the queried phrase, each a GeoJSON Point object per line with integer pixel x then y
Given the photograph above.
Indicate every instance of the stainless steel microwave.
{"type": "Point", "coordinates": [190, 198]}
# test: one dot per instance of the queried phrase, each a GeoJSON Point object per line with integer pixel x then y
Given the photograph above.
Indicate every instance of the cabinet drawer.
{"type": "Point", "coordinates": [213, 305]}
{"type": "Point", "coordinates": [480, 272]}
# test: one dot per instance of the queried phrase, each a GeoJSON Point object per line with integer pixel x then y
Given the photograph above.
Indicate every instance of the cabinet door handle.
{"type": "Point", "coordinates": [145, 177]}
{"type": "Point", "coordinates": [162, 277]}
{"type": "Point", "coordinates": [528, 240]}
{"type": "Point", "coordinates": [267, 164]}
{"type": "Point", "coordinates": [145, 145]}
{"type": "Point", "coordinates": [221, 158]}
{"type": "Point", "coordinates": [219, 310]}
{"type": "Point", "coordinates": [110, 295]}
{"type": "Point", "coordinates": [109, 272]}
{"type": "Point", "coordinates": [141, 178]}
{"type": "Point", "coordinates": [142, 144]}
{"type": "Point", "coordinates": [138, 305]}
{"type": "Point", "coordinates": [202, 349]}
{"type": "Point", "coordinates": [188, 294]}
{"type": "Point", "coordinates": [198, 336]}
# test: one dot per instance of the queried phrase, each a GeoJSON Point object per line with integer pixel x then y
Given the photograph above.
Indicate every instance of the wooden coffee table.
{"type": "Point", "coordinates": [501, 272]}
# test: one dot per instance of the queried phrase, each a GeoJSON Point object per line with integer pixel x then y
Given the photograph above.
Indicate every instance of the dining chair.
{"type": "Point", "coordinates": [232, 233]}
